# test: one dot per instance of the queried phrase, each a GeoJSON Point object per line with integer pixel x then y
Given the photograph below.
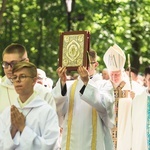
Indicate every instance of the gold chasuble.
{"type": "Point", "coordinates": [118, 93]}
{"type": "Point", "coordinates": [70, 116]}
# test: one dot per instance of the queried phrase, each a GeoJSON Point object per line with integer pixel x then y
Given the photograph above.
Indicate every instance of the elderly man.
{"type": "Point", "coordinates": [124, 91]}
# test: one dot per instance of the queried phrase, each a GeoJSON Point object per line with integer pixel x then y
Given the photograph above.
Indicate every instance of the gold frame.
{"type": "Point", "coordinates": [74, 46]}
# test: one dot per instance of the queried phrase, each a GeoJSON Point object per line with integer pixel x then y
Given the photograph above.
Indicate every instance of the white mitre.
{"type": "Point", "coordinates": [114, 58]}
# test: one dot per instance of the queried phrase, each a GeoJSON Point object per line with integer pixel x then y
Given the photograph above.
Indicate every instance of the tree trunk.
{"type": "Point", "coordinates": [136, 31]}
{"type": "Point", "coordinates": [2, 10]}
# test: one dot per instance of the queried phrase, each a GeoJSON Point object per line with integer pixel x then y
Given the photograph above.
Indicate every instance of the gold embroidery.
{"type": "Point", "coordinates": [121, 93]}
{"type": "Point", "coordinates": [118, 93]}
{"type": "Point", "coordinates": [94, 125]}
{"type": "Point", "coordinates": [70, 114]}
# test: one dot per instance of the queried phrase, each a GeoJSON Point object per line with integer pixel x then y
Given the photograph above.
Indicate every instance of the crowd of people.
{"type": "Point", "coordinates": [90, 111]}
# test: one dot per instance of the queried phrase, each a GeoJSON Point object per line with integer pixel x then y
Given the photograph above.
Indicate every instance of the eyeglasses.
{"type": "Point", "coordinates": [5, 64]}
{"type": "Point", "coordinates": [92, 62]}
{"type": "Point", "coordinates": [39, 78]}
{"type": "Point", "coordinates": [19, 78]}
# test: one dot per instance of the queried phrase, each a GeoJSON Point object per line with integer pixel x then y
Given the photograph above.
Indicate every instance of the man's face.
{"type": "Point", "coordinates": [24, 82]}
{"type": "Point", "coordinates": [147, 81]}
{"type": "Point", "coordinates": [9, 60]}
{"type": "Point", "coordinates": [115, 76]}
{"type": "Point", "coordinates": [92, 66]}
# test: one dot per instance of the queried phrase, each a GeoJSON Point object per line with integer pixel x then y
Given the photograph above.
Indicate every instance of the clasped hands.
{"type": "Point", "coordinates": [17, 121]}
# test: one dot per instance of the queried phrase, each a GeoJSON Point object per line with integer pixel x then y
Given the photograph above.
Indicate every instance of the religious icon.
{"type": "Point", "coordinates": [74, 47]}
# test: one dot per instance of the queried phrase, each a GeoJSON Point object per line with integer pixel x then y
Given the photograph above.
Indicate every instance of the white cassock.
{"type": "Point", "coordinates": [41, 130]}
{"type": "Point", "coordinates": [86, 129]}
{"type": "Point", "coordinates": [8, 94]}
{"type": "Point", "coordinates": [140, 120]}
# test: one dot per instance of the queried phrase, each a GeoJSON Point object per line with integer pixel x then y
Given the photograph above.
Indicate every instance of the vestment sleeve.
{"type": "Point", "coordinates": [100, 96]}
{"type": "Point", "coordinates": [61, 101]}
{"type": "Point", "coordinates": [29, 139]}
{"type": "Point", "coordinates": [49, 134]}
{"type": "Point", "coordinates": [6, 141]}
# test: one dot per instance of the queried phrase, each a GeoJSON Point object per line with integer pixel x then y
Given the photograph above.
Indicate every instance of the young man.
{"type": "Point", "coordinates": [141, 117]}
{"type": "Point", "coordinates": [87, 107]}
{"type": "Point", "coordinates": [13, 54]}
{"type": "Point", "coordinates": [31, 123]}
{"type": "Point", "coordinates": [124, 92]}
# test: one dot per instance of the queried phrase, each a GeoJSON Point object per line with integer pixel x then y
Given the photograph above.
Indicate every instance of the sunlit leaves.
{"type": "Point", "coordinates": [38, 24]}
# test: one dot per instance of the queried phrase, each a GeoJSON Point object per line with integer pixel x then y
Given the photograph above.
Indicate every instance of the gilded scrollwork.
{"type": "Point", "coordinates": [73, 50]}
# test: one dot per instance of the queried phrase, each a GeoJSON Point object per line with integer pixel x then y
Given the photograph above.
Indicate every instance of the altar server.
{"type": "Point", "coordinates": [141, 117]}
{"type": "Point", "coordinates": [11, 55]}
{"type": "Point", "coordinates": [31, 123]}
{"type": "Point", "coordinates": [87, 104]}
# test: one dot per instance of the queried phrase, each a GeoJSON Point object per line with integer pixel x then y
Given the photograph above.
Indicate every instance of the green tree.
{"type": "Point", "coordinates": [37, 24]}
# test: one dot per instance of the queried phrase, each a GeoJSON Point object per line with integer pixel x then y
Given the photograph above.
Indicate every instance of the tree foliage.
{"type": "Point", "coordinates": [37, 24]}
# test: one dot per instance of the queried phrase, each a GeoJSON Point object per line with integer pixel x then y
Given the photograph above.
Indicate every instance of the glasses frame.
{"type": "Point", "coordinates": [92, 62]}
{"type": "Point", "coordinates": [19, 78]}
{"type": "Point", "coordinates": [5, 64]}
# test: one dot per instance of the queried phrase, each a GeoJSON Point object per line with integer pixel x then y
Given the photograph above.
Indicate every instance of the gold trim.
{"type": "Point", "coordinates": [94, 125]}
{"type": "Point", "coordinates": [118, 93]}
{"type": "Point", "coordinates": [70, 114]}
